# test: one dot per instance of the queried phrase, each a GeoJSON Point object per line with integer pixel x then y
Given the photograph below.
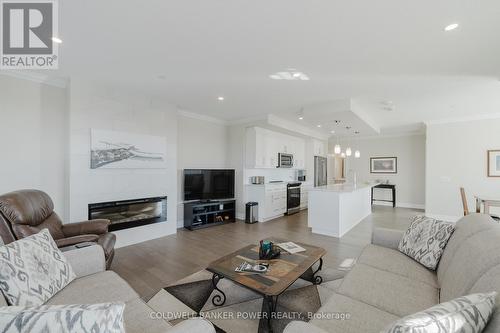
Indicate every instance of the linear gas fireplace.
{"type": "Point", "coordinates": [130, 213]}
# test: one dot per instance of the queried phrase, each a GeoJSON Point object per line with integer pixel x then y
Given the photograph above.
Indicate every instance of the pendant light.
{"type": "Point", "coordinates": [342, 155]}
{"type": "Point", "coordinates": [357, 153]}
{"type": "Point", "coordinates": [337, 149]}
{"type": "Point", "coordinates": [348, 150]}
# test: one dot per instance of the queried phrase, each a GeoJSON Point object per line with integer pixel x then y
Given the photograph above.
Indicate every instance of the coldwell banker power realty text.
{"type": "Point", "coordinates": [27, 34]}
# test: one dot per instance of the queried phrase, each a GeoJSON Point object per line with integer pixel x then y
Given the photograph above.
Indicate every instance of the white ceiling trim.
{"type": "Point", "coordinates": [363, 115]}
{"type": "Point", "coordinates": [247, 120]}
{"type": "Point", "coordinates": [463, 119]}
{"type": "Point", "coordinates": [37, 77]}
{"type": "Point", "coordinates": [380, 136]}
{"type": "Point", "coordinates": [198, 116]}
{"type": "Point", "coordinates": [288, 125]}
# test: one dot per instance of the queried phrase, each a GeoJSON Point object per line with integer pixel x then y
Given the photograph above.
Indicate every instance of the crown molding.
{"type": "Point", "coordinates": [201, 117]}
{"type": "Point", "coordinates": [58, 82]}
{"type": "Point", "coordinates": [384, 136]}
{"type": "Point", "coordinates": [244, 121]}
{"type": "Point", "coordinates": [463, 119]}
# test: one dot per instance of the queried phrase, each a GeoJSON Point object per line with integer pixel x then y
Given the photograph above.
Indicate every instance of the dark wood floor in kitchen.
{"type": "Point", "coordinates": [154, 264]}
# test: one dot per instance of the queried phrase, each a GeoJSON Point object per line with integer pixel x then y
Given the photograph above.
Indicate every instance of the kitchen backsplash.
{"type": "Point", "coordinates": [271, 174]}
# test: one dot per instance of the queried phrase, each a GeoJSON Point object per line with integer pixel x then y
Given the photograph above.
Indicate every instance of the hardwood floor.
{"type": "Point", "coordinates": [154, 264]}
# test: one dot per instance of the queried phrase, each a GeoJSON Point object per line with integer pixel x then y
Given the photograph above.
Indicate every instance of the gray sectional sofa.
{"type": "Point", "coordinates": [386, 285]}
{"type": "Point", "coordinates": [383, 286]}
{"type": "Point", "coordinates": [96, 285]}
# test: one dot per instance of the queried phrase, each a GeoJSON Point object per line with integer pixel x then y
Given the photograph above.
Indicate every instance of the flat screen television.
{"type": "Point", "coordinates": [208, 184]}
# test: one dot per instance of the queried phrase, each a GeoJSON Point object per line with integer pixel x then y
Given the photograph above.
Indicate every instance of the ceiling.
{"type": "Point", "coordinates": [372, 52]}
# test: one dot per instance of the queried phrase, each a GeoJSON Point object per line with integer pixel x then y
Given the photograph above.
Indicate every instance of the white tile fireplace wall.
{"type": "Point", "coordinates": [93, 107]}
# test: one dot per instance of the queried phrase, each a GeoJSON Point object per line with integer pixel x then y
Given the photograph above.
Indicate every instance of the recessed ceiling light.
{"type": "Point", "coordinates": [451, 27]}
{"type": "Point", "coordinates": [289, 75]}
{"type": "Point", "coordinates": [318, 125]}
{"type": "Point", "coordinates": [56, 40]}
{"type": "Point", "coordinates": [220, 98]}
{"type": "Point", "coordinates": [332, 131]}
{"type": "Point", "coordinates": [301, 118]}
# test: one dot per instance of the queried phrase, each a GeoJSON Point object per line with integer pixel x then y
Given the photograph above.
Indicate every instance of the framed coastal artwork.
{"type": "Point", "coordinates": [493, 163]}
{"type": "Point", "coordinates": [384, 165]}
{"type": "Point", "coordinates": [123, 150]}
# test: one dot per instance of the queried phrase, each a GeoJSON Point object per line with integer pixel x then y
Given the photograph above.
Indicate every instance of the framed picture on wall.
{"type": "Point", "coordinates": [384, 165]}
{"type": "Point", "coordinates": [493, 163]}
{"type": "Point", "coordinates": [122, 150]}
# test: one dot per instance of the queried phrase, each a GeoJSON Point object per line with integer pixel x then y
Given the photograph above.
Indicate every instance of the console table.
{"type": "Point", "coordinates": [386, 186]}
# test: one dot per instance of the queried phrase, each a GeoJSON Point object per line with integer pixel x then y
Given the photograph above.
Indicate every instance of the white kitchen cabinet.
{"type": "Point", "coordinates": [257, 148]}
{"type": "Point", "coordinates": [271, 199]}
{"type": "Point", "coordinates": [263, 147]}
{"type": "Point", "coordinates": [304, 195]}
{"type": "Point", "coordinates": [299, 154]}
{"type": "Point", "coordinates": [319, 148]}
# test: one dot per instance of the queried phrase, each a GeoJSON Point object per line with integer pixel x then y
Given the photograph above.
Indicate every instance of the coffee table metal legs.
{"type": "Point", "coordinates": [218, 299]}
{"type": "Point", "coordinates": [316, 279]}
{"type": "Point", "coordinates": [269, 306]}
{"type": "Point", "coordinates": [312, 276]}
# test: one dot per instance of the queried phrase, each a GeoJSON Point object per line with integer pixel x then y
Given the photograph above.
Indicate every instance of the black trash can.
{"type": "Point", "coordinates": [251, 212]}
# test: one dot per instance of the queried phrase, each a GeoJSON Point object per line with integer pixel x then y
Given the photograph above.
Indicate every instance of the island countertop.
{"type": "Point", "coordinates": [343, 188]}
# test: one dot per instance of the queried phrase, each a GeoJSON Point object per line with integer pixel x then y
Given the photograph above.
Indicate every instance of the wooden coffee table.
{"type": "Point", "coordinates": [283, 272]}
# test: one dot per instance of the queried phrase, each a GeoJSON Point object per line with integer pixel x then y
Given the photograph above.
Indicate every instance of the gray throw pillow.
{"type": "Point", "coordinates": [467, 314]}
{"type": "Point", "coordinates": [426, 239]}
{"type": "Point", "coordinates": [32, 270]}
{"type": "Point", "coordinates": [95, 318]}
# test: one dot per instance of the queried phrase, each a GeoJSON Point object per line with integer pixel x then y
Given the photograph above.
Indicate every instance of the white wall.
{"type": "Point", "coordinates": [456, 156]}
{"type": "Point", "coordinates": [34, 138]}
{"type": "Point", "coordinates": [236, 161]}
{"type": "Point", "coordinates": [92, 106]}
{"type": "Point", "coordinates": [203, 144]}
{"type": "Point", "coordinates": [410, 178]}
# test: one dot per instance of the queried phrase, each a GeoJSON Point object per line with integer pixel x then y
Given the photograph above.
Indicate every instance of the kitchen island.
{"type": "Point", "coordinates": [335, 209]}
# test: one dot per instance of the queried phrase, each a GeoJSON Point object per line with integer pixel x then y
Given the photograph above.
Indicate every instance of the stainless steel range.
{"type": "Point", "coordinates": [293, 198]}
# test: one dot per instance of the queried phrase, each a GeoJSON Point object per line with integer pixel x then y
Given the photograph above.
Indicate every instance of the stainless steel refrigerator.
{"type": "Point", "coordinates": [320, 166]}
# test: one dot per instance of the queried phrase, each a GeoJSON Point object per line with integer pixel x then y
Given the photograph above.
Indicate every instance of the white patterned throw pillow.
{"type": "Point", "coordinates": [467, 314]}
{"type": "Point", "coordinates": [32, 270]}
{"type": "Point", "coordinates": [94, 318]}
{"type": "Point", "coordinates": [425, 240]}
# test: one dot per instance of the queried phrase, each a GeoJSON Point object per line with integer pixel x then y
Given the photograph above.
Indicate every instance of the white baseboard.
{"type": "Point", "coordinates": [399, 204]}
{"type": "Point", "coordinates": [448, 218]}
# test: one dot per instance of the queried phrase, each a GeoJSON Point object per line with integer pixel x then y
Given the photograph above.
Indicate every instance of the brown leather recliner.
{"type": "Point", "coordinates": [26, 212]}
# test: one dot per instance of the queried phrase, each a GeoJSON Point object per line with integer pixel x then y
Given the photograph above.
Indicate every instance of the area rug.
{"type": "Point", "coordinates": [243, 309]}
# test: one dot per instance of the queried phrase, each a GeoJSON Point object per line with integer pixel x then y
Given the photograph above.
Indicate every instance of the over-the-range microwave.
{"type": "Point", "coordinates": [285, 160]}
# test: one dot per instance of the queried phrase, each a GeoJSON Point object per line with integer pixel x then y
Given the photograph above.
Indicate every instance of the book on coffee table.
{"type": "Point", "coordinates": [291, 247]}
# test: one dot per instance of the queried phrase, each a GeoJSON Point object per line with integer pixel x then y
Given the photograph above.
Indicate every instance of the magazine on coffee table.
{"type": "Point", "coordinates": [291, 247]}
{"type": "Point", "coordinates": [246, 267]}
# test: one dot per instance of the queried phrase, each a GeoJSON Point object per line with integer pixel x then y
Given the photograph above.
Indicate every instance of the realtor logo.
{"type": "Point", "coordinates": [27, 32]}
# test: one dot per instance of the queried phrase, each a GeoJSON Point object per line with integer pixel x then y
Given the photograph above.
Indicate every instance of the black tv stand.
{"type": "Point", "coordinates": [208, 213]}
